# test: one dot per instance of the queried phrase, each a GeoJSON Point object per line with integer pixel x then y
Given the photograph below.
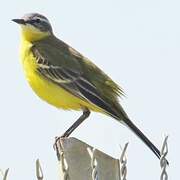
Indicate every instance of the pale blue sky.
{"type": "Point", "coordinates": [136, 42]}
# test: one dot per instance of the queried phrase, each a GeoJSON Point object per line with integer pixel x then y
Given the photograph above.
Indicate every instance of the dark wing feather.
{"type": "Point", "coordinates": [70, 70]}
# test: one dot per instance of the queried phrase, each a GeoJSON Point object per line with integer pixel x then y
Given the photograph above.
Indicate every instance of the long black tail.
{"type": "Point", "coordinates": [131, 125]}
{"type": "Point", "coordinates": [119, 114]}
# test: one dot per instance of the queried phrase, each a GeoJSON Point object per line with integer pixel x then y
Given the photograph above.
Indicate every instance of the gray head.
{"type": "Point", "coordinates": [34, 24]}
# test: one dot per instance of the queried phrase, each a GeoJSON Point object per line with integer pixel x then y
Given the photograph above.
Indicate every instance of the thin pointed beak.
{"type": "Point", "coordinates": [19, 21]}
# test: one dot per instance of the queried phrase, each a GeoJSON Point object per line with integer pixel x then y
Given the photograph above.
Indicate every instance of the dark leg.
{"type": "Point", "coordinates": [84, 116]}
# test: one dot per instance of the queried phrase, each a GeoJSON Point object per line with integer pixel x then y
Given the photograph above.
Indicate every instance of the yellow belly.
{"type": "Point", "coordinates": [47, 90]}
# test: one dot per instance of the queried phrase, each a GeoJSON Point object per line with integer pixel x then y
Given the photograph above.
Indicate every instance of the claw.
{"type": "Point", "coordinates": [57, 139]}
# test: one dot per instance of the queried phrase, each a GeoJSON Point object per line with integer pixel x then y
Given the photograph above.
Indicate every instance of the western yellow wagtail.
{"type": "Point", "coordinates": [66, 79]}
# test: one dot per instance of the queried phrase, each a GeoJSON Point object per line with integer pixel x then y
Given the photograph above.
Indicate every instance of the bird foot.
{"type": "Point", "coordinates": [57, 139]}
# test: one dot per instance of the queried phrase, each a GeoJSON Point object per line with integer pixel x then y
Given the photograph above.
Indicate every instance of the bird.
{"type": "Point", "coordinates": [66, 79]}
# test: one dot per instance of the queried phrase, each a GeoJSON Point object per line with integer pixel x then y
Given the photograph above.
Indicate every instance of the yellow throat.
{"type": "Point", "coordinates": [30, 33]}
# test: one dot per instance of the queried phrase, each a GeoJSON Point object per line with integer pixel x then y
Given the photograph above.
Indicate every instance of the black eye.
{"type": "Point", "coordinates": [38, 20]}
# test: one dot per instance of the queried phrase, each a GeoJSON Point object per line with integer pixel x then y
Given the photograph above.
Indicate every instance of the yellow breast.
{"type": "Point", "coordinates": [47, 90]}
